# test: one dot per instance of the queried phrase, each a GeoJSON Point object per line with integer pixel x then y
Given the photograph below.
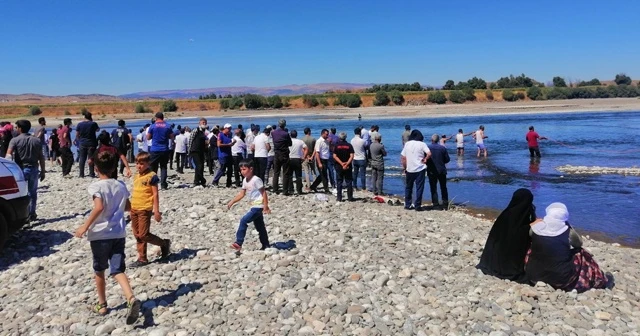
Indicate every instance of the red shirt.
{"type": "Point", "coordinates": [532, 139]}
{"type": "Point", "coordinates": [64, 142]}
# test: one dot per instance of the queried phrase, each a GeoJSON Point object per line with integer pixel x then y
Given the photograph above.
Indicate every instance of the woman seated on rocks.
{"type": "Point", "coordinates": [557, 257]}
{"type": "Point", "coordinates": [506, 247]}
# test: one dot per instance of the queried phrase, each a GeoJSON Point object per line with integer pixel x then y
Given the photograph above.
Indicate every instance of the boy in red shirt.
{"type": "Point", "coordinates": [532, 140]}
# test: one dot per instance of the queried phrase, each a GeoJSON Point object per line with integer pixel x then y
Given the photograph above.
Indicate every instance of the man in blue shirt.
{"type": "Point", "coordinates": [87, 143]}
{"type": "Point", "coordinates": [160, 133]}
{"type": "Point", "coordinates": [225, 158]}
{"type": "Point", "coordinates": [437, 171]}
{"type": "Point", "coordinates": [281, 142]}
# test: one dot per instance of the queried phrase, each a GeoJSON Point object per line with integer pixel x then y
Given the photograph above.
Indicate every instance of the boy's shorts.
{"type": "Point", "coordinates": [482, 147]}
{"type": "Point", "coordinates": [108, 253]}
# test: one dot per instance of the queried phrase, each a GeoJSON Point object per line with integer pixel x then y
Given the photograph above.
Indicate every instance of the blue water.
{"type": "Point", "coordinates": [607, 204]}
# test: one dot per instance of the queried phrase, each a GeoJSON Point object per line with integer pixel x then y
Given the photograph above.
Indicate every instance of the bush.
{"type": "Point", "coordinates": [286, 101]}
{"type": "Point", "coordinates": [559, 82]}
{"type": "Point", "coordinates": [535, 93]}
{"type": "Point", "coordinates": [469, 94]}
{"type": "Point", "coordinates": [437, 97]}
{"type": "Point", "coordinates": [520, 95]}
{"type": "Point", "coordinates": [515, 82]}
{"type": "Point", "coordinates": [449, 85]}
{"type": "Point", "coordinates": [593, 82]}
{"type": "Point", "coordinates": [309, 101]}
{"type": "Point", "coordinates": [350, 100]}
{"type": "Point", "coordinates": [457, 97]}
{"type": "Point", "coordinates": [382, 99]}
{"type": "Point", "coordinates": [323, 102]}
{"type": "Point", "coordinates": [253, 101]}
{"type": "Point", "coordinates": [508, 95]}
{"type": "Point", "coordinates": [169, 106]}
{"type": "Point", "coordinates": [397, 98]}
{"type": "Point", "coordinates": [477, 83]}
{"type": "Point", "coordinates": [622, 79]}
{"type": "Point", "coordinates": [235, 103]}
{"type": "Point", "coordinates": [390, 87]}
{"type": "Point", "coordinates": [140, 108]}
{"type": "Point", "coordinates": [275, 102]}
{"type": "Point", "coordinates": [557, 93]}
{"type": "Point", "coordinates": [224, 103]}
{"type": "Point", "coordinates": [35, 110]}
{"type": "Point", "coordinates": [489, 94]}
{"type": "Point", "coordinates": [602, 93]}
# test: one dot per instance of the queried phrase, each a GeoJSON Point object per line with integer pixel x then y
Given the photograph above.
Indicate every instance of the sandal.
{"type": "Point", "coordinates": [134, 310]}
{"type": "Point", "coordinates": [99, 307]}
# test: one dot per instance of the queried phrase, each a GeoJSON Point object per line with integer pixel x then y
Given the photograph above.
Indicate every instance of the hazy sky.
{"type": "Point", "coordinates": [116, 47]}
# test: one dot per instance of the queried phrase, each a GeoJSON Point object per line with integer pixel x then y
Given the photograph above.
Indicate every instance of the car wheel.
{"type": "Point", "coordinates": [4, 231]}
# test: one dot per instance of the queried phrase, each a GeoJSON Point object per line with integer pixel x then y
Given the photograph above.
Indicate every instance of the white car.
{"type": "Point", "coordinates": [14, 199]}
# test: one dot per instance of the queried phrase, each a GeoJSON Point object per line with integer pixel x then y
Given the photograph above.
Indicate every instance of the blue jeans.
{"type": "Point", "coordinates": [359, 170]}
{"type": "Point", "coordinates": [226, 167]}
{"type": "Point", "coordinates": [32, 176]}
{"type": "Point", "coordinates": [331, 171]}
{"type": "Point", "coordinates": [254, 215]}
{"type": "Point", "coordinates": [418, 179]}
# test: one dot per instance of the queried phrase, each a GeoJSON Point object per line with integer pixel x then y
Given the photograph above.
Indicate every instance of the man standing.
{"type": "Point", "coordinates": [249, 138]}
{"type": "Point", "coordinates": [414, 156]}
{"type": "Point", "coordinates": [39, 133]}
{"type": "Point", "coordinates": [479, 136]}
{"type": "Point", "coordinates": [378, 152]}
{"type": "Point", "coordinates": [197, 147]}
{"type": "Point", "coordinates": [331, 169]}
{"type": "Point", "coordinates": [122, 140]}
{"type": "Point", "coordinates": [213, 151]}
{"type": "Point", "coordinates": [141, 140]}
{"type": "Point", "coordinates": [159, 133]}
{"type": "Point", "coordinates": [322, 161]}
{"type": "Point", "coordinates": [237, 151]}
{"type": "Point", "coordinates": [180, 142]}
{"type": "Point", "coordinates": [297, 151]}
{"type": "Point", "coordinates": [460, 141]}
{"type": "Point", "coordinates": [308, 164]}
{"type": "Point", "coordinates": [66, 156]}
{"type": "Point", "coordinates": [261, 148]}
{"type": "Point", "coordinates": [359, 159]}
{"type": "Point", "coordinates": [281, 142]}
{"type": "Point", "coordinates": [437, 171]}
{"type": "Point", "coordinates": [532, 141]}
{"type": "Point", "coordinates": [87, 143]}
{"type": "Point", "coordinates": [224, 155]}
{"type": "Point", "coordinates": [26, 151]}
{"type": "Point", "coordinates": [405, 134]}
{"type": "Point", "coordinates": [343, 156]}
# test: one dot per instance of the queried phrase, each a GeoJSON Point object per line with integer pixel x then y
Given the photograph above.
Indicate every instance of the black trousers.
{"type": "Point", "coordinates": [322, 177]}
{"type": "Point", "coordinates": [344, 175]}
{"type": "Point", "coordinates": [281, 164]}
{"type": "Point", "coordinates": [260, 167]}
{"type": "Point", "coordinates": [236, 169]}
{"type": "Point", "coordinates": [67, 160]}
{"type": "Point", "coordinates": [181, 160]}
{"type": "Point", "coordinates": [295, 167]}
{"type": "Point", "coordinates": [534, 150]}
{"type": "Point", "coordinates": [198, 160]}
{"type": "Point", "coordinates": [85, 153]}
{"type": "Point", "coordinates": [434, 179]}
{"type": "Point", "coordinates": [160, 160]}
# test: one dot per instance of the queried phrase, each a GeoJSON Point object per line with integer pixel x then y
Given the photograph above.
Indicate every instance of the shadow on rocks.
{"type": "Point", "coordinates": [40, 222]}
{"type": "Point", "coordinates": [177, 256]}
{"type": "Point", "coordinates": [27, 244]}
{"type": "Point", "coordinates": [165, 300]}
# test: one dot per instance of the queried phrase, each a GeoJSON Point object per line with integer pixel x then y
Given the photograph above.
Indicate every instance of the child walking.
{"type": "Point", "coordinates": [259, 201]}
{"type": "Point", "coordinates": [105, 228]}
{"type": "Point", "coordinates": [145, 202]}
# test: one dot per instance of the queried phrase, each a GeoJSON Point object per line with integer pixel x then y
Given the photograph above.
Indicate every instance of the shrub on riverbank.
{"type": "Point", "coordinates": [457, 97]}
{"type": "Point", "coordinates": [382, 99]}
{"type": "Point", "coordinates": [437, 97]}
{"type": "Point", "coordinates": [348, 100]}
{"type": "Point", "coordinates": [397, 98]}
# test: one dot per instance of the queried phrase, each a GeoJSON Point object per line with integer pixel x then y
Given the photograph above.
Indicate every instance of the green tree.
{"type": "Point", "coordinates": [622, 79]}
{"type": "Point", "coordinates": [457, 97]}
{"type": "Point", "coordinates": [449, 85]}
{"type": "Point", "coordinates": [349, 100]}
{"type": "Point", "coordinates": [396, 97]}
{"type": "Point", "coordinates": [323, 102]}
{"type": "Point", "coordinates": [489, 94]}
{"type": "Point", "coordinates": [235, 103]}
{"type": "Point", "coordinates": [382, 99]}
{"type": "Point", "coordinates": [508, 95]}
{"type": "Point", "coordinates": [253, 101]}
{"type": "Point", "coordinates": [437, 97]}
{"type": "Point", "coordinates": [224, 103]}
{"type": "Point", "coordinates": [557, 93]}
{"type": "Point", "coordinates": [493, 86]}
{"type": "Point", "coordinates": [309, 101]}
{"type": "Point", "coordinates": [140, 108]}
{"type": "Point", "coordinates": [469, 94]}
{"type": "Point", "coordinates": [275, 102]}
{"type": "Point", "coordinates": [477, 83]}
{"type": "Point", "coordinates": [35, 110]}
{"type": "Point", "coordinates": [535, 93]}
{"type": "Point", "coordinates": [559, 82]}
{"type": "Point", "coordinates": [593, 82]}
{"type": "Point", "coordinates": [169, 106]}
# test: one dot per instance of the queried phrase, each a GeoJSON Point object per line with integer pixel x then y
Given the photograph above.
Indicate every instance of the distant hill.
{"type": "Point", "coordinates": [287, 90]}
{"type": "Point", "coordinates": [33, 98]}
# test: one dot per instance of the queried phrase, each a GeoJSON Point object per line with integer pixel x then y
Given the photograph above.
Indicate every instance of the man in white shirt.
{"type": "Point", "coordinates": [261, 148]}
{"type": "Point", "coordinates": [181, 151]}
{"type": "Point", "coordinates": [414, 158]}
{"type": "Point", "coordinates": [479, 136]}
{"type": "Point", "coordinates": [322, 160]}
{"type": "Point", "coordinates": [297, 151]}
{"type": "Point", "coordinates": [249, 138]}
{"type": "Point", "coordinates": [359, 159]}
{"type": "Point", "coordinates": [142, 144]}
{"type": "Point", "coordinates": [237, 150]}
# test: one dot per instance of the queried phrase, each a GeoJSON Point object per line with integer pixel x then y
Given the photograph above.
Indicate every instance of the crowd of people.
{"type": "Point", "coordinates": [520, 247]}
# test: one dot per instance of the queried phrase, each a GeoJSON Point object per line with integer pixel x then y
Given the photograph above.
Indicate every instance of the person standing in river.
{"type": "Point", "coordinates": [532, 138]}
{"type": "Point", "coordinates": [405, 134]}
{"type": "Point", "coordinates": [479, 136]}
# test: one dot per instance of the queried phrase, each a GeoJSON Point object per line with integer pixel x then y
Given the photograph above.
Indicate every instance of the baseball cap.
{"type": "Point", "coordinates": [227, 126]}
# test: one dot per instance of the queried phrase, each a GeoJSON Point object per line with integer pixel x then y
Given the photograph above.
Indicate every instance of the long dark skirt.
{"type": "Point", "coordinates": [588, 274]}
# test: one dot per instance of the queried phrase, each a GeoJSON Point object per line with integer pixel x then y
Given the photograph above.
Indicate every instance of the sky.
{"type": "Point", "coordinates": [116, 47]}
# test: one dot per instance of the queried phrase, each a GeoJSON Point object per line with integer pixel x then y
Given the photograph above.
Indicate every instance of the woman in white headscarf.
{"type": "Point", "coordinates": [557, 257]}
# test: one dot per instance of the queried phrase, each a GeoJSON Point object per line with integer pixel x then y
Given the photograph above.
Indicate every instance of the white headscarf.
{"type": "Point", "coordinates": [554, 223]}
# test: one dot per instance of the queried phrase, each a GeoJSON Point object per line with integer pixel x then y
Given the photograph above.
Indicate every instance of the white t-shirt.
{"type": "Point", "coordinates": [479, 137]}
{"type": "Point", "coordinates": [111, 222]}
{"type": "Point", "coordinates": [272, 151]}
{"type": "Point", "coordinates": [322, 148]}
{"type": "Point", "coordinates": [459, 140]}
{"type": "Point", "coordinates": [296, 150]}
{"type": "Point", "coordinates": [260, 146]}
{"type": "Point", "coordinates": [148, 141]}
{"type": "Point", "coordinates": [358, 148]}
{"type": "Point", "coordinates": [248, 140]}
{"type": "Point", "coordinates": [142, 144]}
{"type": "Point", "coordinates": [415, 151]}
{"type": "Point", "coordinates": [181, 143]}
{"type": "Point", "coordinates": [252, 189]}
{"type": "Point", "coordinates": [238, 147]}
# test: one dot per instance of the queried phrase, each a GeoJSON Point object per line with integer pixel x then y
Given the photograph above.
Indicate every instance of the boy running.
{"type": "Point", "coordinates": [105, 228]}
{"type": "Point", "coordinates": [259, 204]}
{"type": "Point", "coordinates": [145, 201]}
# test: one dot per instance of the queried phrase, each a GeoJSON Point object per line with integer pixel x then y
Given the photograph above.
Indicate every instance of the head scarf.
{"type": "Point", "coordinates": [508, 241]}
{"type": "Point", "coordinates": [555, 221]}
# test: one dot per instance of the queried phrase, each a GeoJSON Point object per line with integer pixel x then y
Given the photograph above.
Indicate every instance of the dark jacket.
{"type": "Point", "coordinates": [281, 141]}
{"type": "Point", "coordinates": [438, 160]}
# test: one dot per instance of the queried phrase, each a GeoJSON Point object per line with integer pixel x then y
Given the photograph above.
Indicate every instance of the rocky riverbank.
{"type": "Point", "coordinates": [358, 269]}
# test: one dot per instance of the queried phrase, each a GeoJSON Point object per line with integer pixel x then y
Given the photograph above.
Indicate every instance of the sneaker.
{"type": "Point", "coordinates": [166, 249]}
{"type": "Point", "coordinates": [134, 311]}
{"type": "Point", "coordinates": [610, 280]}
{"type": "Point", "coordinates": [139, 263]}
{"type": "Point", "coordinates": [236, 246]}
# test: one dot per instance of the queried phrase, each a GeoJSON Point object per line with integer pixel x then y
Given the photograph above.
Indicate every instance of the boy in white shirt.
{"type": "Point", "coordinates": [253, 186]}
{"type": "Point", "coordinates": [105, 228]}
{"type": "Point", "coordinates": [181, 151]}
